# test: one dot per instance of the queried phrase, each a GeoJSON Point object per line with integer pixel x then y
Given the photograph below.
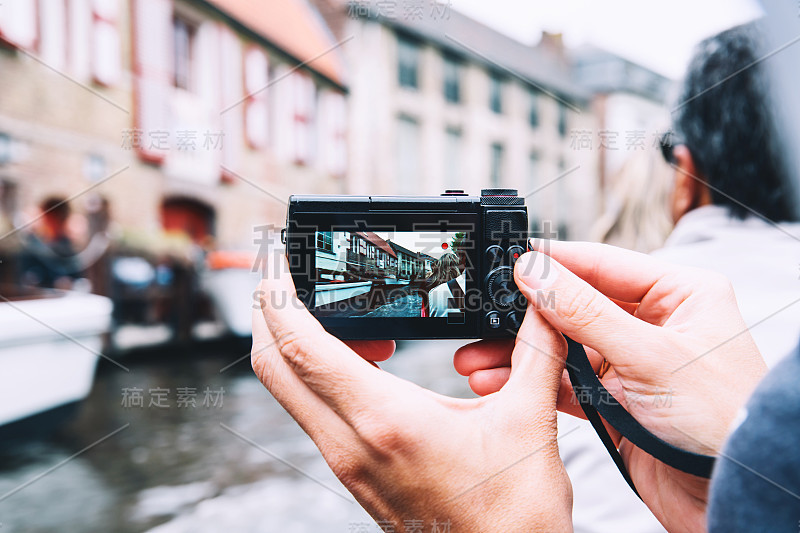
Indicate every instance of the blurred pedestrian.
{"type": "Point", "coordinates": [731, 198]}
{"type": "Point", "coordinates": [48, 254]}
{"type": "Point", "coordinates": [727, 194]}
{"type": "Point", "coordinates": [638, 215]}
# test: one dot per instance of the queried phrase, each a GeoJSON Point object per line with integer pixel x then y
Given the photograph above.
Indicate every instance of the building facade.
{"type": "Point", "coordinates": [191, 116]}
{"type": "Point", "coordinates": [440, 101]}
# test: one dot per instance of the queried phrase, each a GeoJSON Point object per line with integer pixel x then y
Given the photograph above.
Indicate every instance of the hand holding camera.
{"type": "Point", "coordinates": [661, 328]}
{"type": "Point", "coordinates": [679, 356]}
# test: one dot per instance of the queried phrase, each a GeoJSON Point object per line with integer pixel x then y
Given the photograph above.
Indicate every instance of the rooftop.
{"type": "Point", "coordinates": [294, 27]}
{"type": "Point", "coordinates": [403, 249]}
{"type": "Point", "coordinates": [463, 36]}
{"type": "Point", "coordinates": [377, 241]}
{"type": "Point", "coordinates": [601, 71]}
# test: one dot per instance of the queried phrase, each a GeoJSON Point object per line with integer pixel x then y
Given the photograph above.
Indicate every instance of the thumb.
{"type": "Point", "coordinates": [580, 311]}
{"type": "Point", "coordinates": [537, 363]}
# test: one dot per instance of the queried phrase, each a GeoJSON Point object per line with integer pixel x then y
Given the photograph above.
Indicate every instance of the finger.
{"type": "Point", "coordinates": [618, 273]}
{"type": "Point", "coordinates": [628, 307]}
{"type": "Point", "coordinates": [568, 403]}
{"type": "Point", "coordinates": [308, 409]}
{"type": "Point", "coordinates": [372, 350]}
{"type": "Point", "coordinates": [483, 382]}
{"type": "Point", "coordinates": [346, 382]}
{"type": "Point", "coordinates": [595, 359]}
{"type": "Point", "coordinates": [482, 355]}
{"type": "Point", "coordinates": [578, 310]}
{"type": "Point", "coordinates": [537, 364]}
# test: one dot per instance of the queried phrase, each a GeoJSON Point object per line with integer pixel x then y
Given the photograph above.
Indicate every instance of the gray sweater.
{"type": "Point", "coordinates": [756, 482]}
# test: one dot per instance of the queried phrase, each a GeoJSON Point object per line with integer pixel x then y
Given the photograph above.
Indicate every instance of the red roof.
{"type": "Point", "coordinates": [294, 27]}
{"type": "Point", "coordinates": [377, 241]}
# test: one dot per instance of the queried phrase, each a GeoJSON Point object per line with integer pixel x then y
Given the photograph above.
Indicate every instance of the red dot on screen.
{"type": "Point", "coordinates": [444, 246]}
{"type": "Point", "coordinates": [516, 256]}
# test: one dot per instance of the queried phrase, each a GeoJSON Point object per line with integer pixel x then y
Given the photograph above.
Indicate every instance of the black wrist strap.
{"type": "Point", "coordinates": [597, 402]}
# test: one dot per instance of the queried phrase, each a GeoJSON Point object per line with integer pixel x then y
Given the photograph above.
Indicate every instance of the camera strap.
{"type": "Point", "coordinates": [597, 402]}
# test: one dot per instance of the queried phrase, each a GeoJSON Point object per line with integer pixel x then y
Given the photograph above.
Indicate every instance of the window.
{"type": "Point", "coordinates": [18, 24]}
{"type": "Point", "coordinates": [495, 93]}
{"type": "Point", "coordinates": [533, 112]}
{"type": "Point", "coordinates": [535, 203]}
{"type": "Point", "coordinates": [452, 80]}
{"type": "Point", "coordinates": [183, 40]}
{"type": "Point", "coordinates": [452, 154]}
{"type": "Point", "coordinates": [256, 80]}
{"type": "Point", "coordinates": [562, 202]}
{"type": "Point", "coordinates": [8, 200]}
{"type": "Point", "coordinates": [333, 132]}
{"type": "Point", "coordinates": [408, 160]}
{"type": "Point", "coordinates": [305, 99]}
{"type": "Point", "coordinates": [407, 63]}
{"type": "Point", "coordinates": [325, 241]}
{"type": "Point", "coordinates": [562, 119]}
{"type": "Point", "coordinates": [6, 148]}
{"type": "Point", "coordinates": [53, 38]}
{"type": "Point", "coordinates": [496, 175]}
{"type": "Point", "coordinates": [106, 43]}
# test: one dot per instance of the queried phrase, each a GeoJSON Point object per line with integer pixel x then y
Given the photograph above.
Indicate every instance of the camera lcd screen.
{"type": "Point", "coordinates": [390, 274]}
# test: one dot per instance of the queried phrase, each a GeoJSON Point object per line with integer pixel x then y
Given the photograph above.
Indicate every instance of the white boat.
{"type": "Point", "coordinates": [230, 283]}
{"type": "Point", "coordinates": [231, 291]}
{"type": "Point", "coordinates": [49, 346]}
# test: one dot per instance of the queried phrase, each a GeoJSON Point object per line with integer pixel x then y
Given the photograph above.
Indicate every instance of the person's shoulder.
{"type": "Point", "coordinates": [757, 477]}
{"type": "Point", "coordinates": [439, 288]}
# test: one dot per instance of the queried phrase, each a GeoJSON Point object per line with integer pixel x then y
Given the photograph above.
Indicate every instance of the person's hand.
{"type": "Point", "coordinates": [406, 453]}
{"type": "Point", "coordinates": [681, 358]}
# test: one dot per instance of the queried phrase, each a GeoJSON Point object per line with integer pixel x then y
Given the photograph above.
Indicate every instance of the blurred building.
{"type": "Point", "coordinates": [630, 102]}
{"type": "Point", "coordinates": [440, 101]}
{"type": "Point", "coordinates": [199, 116]}
{"type": "Point", "coordinates": [204, 115]}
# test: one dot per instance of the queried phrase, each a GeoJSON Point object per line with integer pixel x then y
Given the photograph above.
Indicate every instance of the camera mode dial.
{"type": "Point", "coordinates": [500, 287]}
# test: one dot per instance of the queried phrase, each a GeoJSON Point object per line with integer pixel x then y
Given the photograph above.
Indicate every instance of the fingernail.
{"type": "Point", "coordinates": [536, 270]}
{"type": "Point", "coordinates": [536, 243]}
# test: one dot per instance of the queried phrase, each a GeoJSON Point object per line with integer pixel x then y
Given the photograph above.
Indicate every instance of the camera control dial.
{"type": "Point", "coordinates": [500, 287]}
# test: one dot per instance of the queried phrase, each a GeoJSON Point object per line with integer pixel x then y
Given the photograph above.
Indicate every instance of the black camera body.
{"type": "Point", "coordinates": [404, 267]}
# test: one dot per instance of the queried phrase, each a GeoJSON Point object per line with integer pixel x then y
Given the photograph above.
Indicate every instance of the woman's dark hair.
{"type": "Point", "coordinates": [56, 208]}
{"type": "Point", "coordinates": [724, 117]}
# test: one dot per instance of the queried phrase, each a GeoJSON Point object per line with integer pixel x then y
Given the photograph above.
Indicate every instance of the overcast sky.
{"type": "Point", "coordinates": [659, 35]}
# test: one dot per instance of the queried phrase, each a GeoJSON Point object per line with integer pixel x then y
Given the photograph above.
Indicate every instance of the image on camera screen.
{"type": "Point", "coordinates": [390, 274]}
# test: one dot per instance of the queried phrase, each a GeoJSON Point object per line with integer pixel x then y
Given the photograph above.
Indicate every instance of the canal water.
{"type": "Point", "coordinates": [191, 442]}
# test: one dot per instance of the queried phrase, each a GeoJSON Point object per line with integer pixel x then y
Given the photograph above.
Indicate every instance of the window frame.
{"type": "Point", "coordinates": [451, 79]}
{"type": "Point", "coordinates": [533, 109]}
{"type": "Point", "coordinates": [189, 83]}
{"type": "Point", "coordinates": [496, 84]}
{"type": "Point", "coordinates": [408, 51]}
{"type": "Point", "coordinates": [496, 164]}
{"type": "Point", "coordinates": [325, 238]}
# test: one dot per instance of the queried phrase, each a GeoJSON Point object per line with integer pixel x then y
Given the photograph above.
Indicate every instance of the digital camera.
{"type": "Point", "coordinates": [404, 267]}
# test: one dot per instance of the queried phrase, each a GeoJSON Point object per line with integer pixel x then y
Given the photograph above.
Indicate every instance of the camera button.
{"type": "Point", "coordinates": [514, 320]}
{"type": "Point", "coordinates": [493, 320]}
{"type": "Point", "coordinates": [514, 253]}
{"type": "Point", "coordinates": [494, 255]}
